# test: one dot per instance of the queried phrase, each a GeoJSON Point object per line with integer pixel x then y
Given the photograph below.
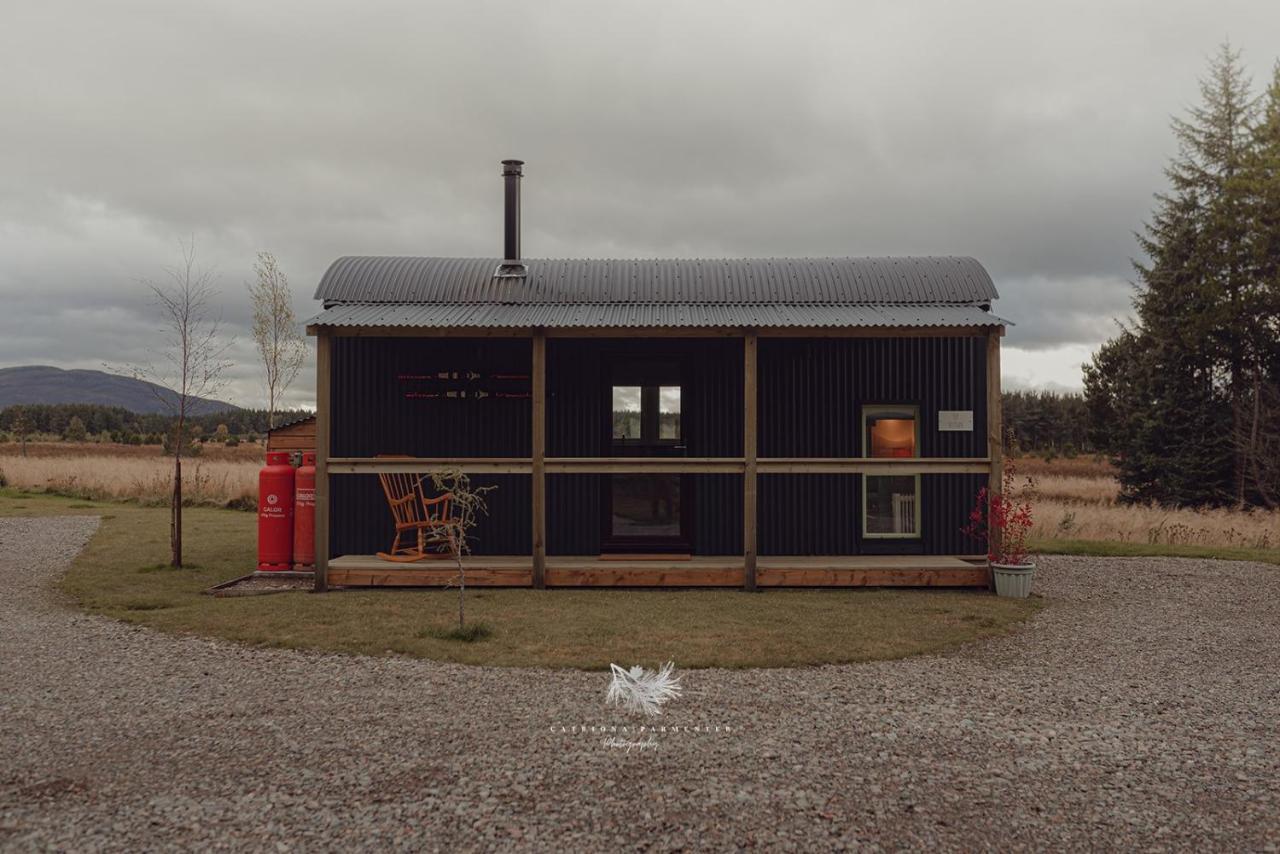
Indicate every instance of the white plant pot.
{"type": "Point", "coordinates": [1013, 580]}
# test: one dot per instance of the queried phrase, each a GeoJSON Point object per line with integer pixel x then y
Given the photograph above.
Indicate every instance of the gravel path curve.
{"type": "Point", "coordinates": [1140, 711]}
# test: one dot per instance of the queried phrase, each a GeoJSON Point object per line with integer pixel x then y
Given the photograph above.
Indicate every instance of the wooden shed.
{"type": "Point", "coordinates": [296, 435]}
{"type": "Point", "coordinates": [724, 422]}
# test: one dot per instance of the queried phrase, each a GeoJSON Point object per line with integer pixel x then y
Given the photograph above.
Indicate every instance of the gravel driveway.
{"type": "Point", "coordinates": [1141, 709]}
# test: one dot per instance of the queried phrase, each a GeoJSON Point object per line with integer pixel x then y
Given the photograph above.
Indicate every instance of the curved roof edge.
{"type": "Point", "coordinates": [922, 280]}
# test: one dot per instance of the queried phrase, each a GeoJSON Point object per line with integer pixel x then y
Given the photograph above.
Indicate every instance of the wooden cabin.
{"type": "Point", "coordinates": [298, 435]}
{"type": "Point", "coordinates": [730, 422]}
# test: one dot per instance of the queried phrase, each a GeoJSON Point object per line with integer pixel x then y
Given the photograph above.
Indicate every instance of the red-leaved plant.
{"type": "Point", "coordinates": [1001, 512]}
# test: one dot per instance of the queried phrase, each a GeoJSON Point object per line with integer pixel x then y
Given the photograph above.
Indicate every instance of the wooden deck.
{"type": "Point", "coordinates": [729, 571]}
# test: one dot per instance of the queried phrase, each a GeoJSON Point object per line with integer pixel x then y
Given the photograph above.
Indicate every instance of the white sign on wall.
{"type": "Point", "coordinates": [955, 420]}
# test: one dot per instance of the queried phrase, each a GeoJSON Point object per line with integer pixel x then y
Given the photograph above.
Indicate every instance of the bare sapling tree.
{"type": "Point", "coordinates": [188, 366]}
{"type": "Point", "coordinates": [22, 427]}
{"type": "Point", "coordinates": [275, 331]}
{"type": "Point", "coordinates": [466, 505]}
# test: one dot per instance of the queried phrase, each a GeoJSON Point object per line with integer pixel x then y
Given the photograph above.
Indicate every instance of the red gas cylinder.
{"type": "Point", "coordinates": [275, 513]}
{"type": "Point", "coordinates": [304, 514]}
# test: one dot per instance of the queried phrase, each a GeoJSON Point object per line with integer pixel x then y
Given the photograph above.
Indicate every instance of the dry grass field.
{"type": "Point", "coordinates": [1077, 499]}
{"type": "Point", "coordinates": [219, 477]}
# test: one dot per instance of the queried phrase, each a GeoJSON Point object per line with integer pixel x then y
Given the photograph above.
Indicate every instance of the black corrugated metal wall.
{"type": "Point", "coordinates": [810, 400]}
{"type": "Point", "coordinates": [381, 405]}
{"type": "Point", "coordinates": [811, 394]}
{"type": "Point", "coordinates": [578, 423]}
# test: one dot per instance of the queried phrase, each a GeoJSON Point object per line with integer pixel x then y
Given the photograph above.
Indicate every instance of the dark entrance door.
{"type": "Point", "coordinates": [646, 512]}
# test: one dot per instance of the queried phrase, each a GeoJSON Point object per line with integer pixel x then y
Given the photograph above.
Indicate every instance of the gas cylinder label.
{"type": "Point", "coordinates": [307, 495]}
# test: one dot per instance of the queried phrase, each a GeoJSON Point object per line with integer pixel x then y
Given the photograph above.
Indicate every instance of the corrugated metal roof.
{"type": "Point", "coordinates": [606, 315]}
{"type": "Point", "coordinates": [735, 281]}
{"type": "Point", "coordinates": [297, 419]}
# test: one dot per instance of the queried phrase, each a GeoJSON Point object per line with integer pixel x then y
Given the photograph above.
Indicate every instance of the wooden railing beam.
{"type": "Point", "coordinates": [750, 479]}
{"type": "Point", "coordinates": [665, 465]}
{"type": "Point", "coordinates": [323, 430]}
{"type": "Point", "coordinates": [538, 449]}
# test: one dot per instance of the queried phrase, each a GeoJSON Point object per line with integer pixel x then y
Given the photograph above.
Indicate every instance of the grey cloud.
{"type": "Point", "coordinates": [1030, 136]}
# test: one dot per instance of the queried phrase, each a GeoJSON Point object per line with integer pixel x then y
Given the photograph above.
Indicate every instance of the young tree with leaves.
{"type": "Point", "coordinates": [275, 331]}
{"type": "Point", "coordinates": [188, 366]}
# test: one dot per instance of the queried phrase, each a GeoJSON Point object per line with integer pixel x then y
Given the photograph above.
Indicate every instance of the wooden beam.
{"type": "Point", "coordinates": [875, 331]}
{"type": "Point", "coordinates": [664, 465]}
{"type": "Point", "coordinates": [750, 480]}
{"type": "Point", "coordinates": [657, 575]}
{"type": "Point", "coordinates": [698, 571]}
{"type": "Point", "coordinates": [420, 331]}
{"type": "Point", "coordinates": [323, 432]}
{"type": "Point", "coordinates": [419, 576]}
{"type": "Point", "coordinates": [877, 465]}
{"type": "Point", "coordinates": [647, 465]}
{"type": "Point", "coordinates": [538, 449]}
{"type": "Point", "coordinates": [995, 427]}
{"type": "Point", "coordinates": [655, 332]}
{"type": "Point", "coordinates": [426, 465]}
{"type": "Point", "coordinates": [973, 576]}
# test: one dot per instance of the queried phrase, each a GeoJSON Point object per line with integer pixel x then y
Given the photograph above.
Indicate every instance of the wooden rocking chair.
{"type": "Point", "coordinates": [426, 520]}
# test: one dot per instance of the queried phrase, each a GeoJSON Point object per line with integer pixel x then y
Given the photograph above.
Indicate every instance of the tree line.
{"type": "Point", "coordinates": [1046, 422]}
{"type": "Point", "coordinates": [81, 422]}
{"type": "Point", "coordinates": [1186, 397]}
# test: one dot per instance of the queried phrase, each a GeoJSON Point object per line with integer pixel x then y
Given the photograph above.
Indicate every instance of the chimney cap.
{"type": "Point", "coordinates": [513, 167]}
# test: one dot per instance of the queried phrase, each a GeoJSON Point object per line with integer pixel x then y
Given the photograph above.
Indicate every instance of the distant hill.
{"type": "Point", "coordinates": [43, 384]}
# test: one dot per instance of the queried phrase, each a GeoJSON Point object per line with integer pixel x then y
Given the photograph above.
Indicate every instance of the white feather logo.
{"type": "Point", "coordinates": [640, 690]}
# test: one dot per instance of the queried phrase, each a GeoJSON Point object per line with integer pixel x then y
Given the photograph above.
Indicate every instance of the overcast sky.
{"type": "Point", "coordinates": [1027, 135]}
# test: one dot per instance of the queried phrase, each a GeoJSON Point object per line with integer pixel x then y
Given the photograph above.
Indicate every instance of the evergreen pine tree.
{"type": "Point", "coordinates": [1259, 439]}
{"type": "Point", "coordinates": [1169, 397]}
{"type": "Point", "coordinates": [1214, 146]}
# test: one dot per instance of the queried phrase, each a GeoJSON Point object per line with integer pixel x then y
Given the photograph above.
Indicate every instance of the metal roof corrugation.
{"type": "Point", "coordinates": [635, 315]}
{"type": "Point", "coordinates": [946, 279]}
{"type": "Point", "coordinates": [297, 419]}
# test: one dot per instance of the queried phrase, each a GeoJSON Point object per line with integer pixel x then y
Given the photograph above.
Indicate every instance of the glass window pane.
{"type": "Point", "coordinates": [669, 412]}
{"type": "Point", "coordinates": [626, 412]}
{"type": "Point", "coordinates": [891, 433]}
{"type": "Point", "coordinates": [892, 502]}
{"type": "Point", "coordinates": [646, 505]}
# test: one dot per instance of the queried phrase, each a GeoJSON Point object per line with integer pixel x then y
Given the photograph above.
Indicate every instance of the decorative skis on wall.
{"type": "Point", "coordinates": [510, 386]}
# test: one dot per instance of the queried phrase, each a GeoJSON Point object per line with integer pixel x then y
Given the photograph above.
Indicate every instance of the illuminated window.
{"type": "Point", "coordinates": [891, 503]}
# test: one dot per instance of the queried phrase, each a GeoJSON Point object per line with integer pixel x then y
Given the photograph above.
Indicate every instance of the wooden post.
{"type": "Point", "coordinates": [995, 426]}
{"type": "Point", "coordinates": [749, 480]}
{"type": "Point", "coordinates": [323, 421]}
{"type": "Point", "coordinates": [538, 454]}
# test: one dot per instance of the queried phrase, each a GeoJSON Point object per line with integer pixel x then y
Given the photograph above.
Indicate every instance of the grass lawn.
{"type": "Point", "coordinates": [122, 574]}
{"type": "Point", "coordinates": [1109, 548]}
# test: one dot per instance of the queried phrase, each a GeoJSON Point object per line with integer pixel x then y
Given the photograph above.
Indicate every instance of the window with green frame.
{"type": "Point", "coordinates": [891, 503]}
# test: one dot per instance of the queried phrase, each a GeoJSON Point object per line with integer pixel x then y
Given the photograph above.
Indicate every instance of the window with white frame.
{"type": "Point", "coordinates": [891, 503]}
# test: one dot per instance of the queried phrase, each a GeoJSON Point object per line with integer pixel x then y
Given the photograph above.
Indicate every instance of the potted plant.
{"type": "Point", "coordinates": [1000, 521]}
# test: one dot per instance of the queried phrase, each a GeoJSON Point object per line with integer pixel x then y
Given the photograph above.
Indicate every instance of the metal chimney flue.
{"type": "Point", "coordinates": [511, 266]}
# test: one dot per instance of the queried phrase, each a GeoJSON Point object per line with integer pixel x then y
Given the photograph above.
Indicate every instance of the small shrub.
{"type": "Point", "coordinates": [470, 633]}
